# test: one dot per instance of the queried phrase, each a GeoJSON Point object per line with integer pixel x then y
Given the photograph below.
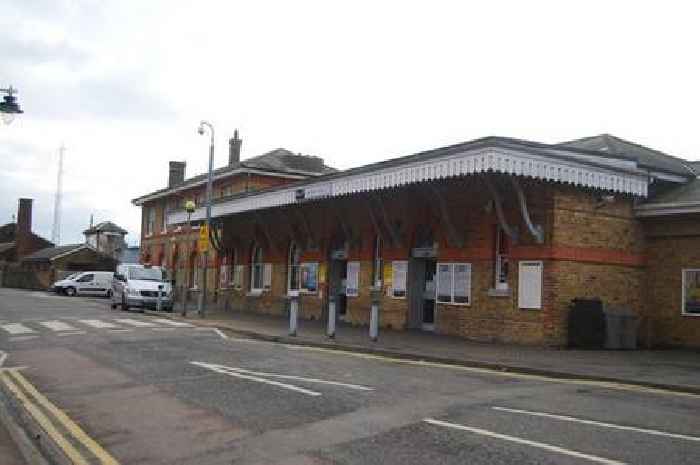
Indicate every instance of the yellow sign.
{"type": "Point", "coordinates": [203, 242]}
{"type": "Point", "coordinates": [388, 273]}
{"type": "Point", "coordinates": [322, 273]}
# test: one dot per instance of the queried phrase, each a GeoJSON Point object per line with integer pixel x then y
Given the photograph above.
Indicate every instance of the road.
{"type": "Point", "coordinates": [147, 391]}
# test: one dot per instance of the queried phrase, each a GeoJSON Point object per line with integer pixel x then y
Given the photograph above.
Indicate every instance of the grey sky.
{"type": "Point", "coordinates": [124, 85]}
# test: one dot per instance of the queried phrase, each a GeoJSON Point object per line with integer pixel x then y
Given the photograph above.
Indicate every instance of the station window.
{"type": "Point", "coordinates": [501, 267]}
{"type": "Point", "coordinates": [257, 269]}
{"type": "Point", "coordinates": [294, 268]}
{"type": "Point", "coordinates": [691, 292]}
{"type": "Point", "coordinates": [454, 283]}
{"type": "Point", "coordinates": [150, 220]}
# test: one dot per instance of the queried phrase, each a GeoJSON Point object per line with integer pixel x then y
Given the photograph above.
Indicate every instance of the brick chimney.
{"type": "Point", "coordinates": [234, 149]}
{"type": "Point", "coordinates": [23, 233]}
{"type": "Point", "coordinates": [176, 173]}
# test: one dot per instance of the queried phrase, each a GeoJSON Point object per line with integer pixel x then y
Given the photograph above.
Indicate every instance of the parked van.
{"type": "Point", "coordinates": [138, 286]}
{"type": "Point", "coordinates": [85, 283]}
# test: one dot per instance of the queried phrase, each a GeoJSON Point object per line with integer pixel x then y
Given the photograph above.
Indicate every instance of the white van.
{"type": "Point", "coordinates": [138, 286]}
{"type": "Point", "coordinates": [85, 283]}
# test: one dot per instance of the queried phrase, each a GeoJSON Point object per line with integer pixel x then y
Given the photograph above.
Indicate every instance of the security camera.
{"type": "Point", "coordinates": [200, 130]}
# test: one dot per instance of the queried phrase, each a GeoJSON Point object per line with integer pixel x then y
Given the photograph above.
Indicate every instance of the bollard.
{"type": "Point", "coordinates": [158, 297]}
{"type": "Point", "coordinates": [375, 294]}
{"type": "Point", "coordinates": [185, 295]}
{"type": "Point", "coordinates": [293, 312]}
{"type": "Point", "coordinates": [331, 315]}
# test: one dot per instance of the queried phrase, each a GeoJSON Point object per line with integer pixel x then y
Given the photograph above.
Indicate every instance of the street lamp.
{"type": "Point", "coordinates": [190, 207]}
{"type": "Point", "coordinates": [9, 107]}
{"type": "Point", "coordinates": [203, 294]}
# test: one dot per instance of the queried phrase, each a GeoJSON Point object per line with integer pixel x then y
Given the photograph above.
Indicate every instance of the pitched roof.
{"type": "Point", "coordinates": [683, 194]}
{"type": "Point", "coordinates": [105, 226]}
{"type": "Point", "coordinates": [5, 246]}
{"type": "Point", "coordinates": [8, 232]}
{"type": "Point", "coordinates": [643, 155]}
{"type": "Point", "coordinates": [49, 253]}
{"type": "Point", "coordinates": [277, 162]}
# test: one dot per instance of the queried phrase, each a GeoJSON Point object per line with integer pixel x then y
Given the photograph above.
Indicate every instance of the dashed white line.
{"type": "Point", "coordinates": [137, 323]}
{"type": "Point", "coordinates": [301, 378]}
{"type": "Point", "coordinates": [526, 442]}
{"type": "Point", "coordinates": [599, 423]}
{"type": "Point", "coordinates": [56, 325]}
{"type": "Point", "coordinates": [17, 328]}
{"type": "Point", "coordinates": [167, 321]}
{"type": "Point", "coordinates": [99, 324]}
{"type": "Point", "coordinates": [71, 333]}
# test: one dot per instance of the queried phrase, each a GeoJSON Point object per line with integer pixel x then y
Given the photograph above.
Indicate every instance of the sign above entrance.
{"type": "Point", "coordinates": [340, 254]}
{"type": "Point", "coordinates": [424, 252]}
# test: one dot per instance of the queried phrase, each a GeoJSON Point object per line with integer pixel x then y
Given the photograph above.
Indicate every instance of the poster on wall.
{"type": "Point", "coordinates": [462, 283]}
{"type": "Point", "coordinates": [223, 275]}
{"type": "Point", "coordinates": [398, 274]}
{"type": "Point", "coordinates": [530, 285]}
{"type": "Point", "coordinates": [353, 279]}
{"type": "Point", "coordinates": [322, 273]}
{"type": "Point", "coordinates": [691, 291]}
{"type": "Point", "coordinates": [309, 277]}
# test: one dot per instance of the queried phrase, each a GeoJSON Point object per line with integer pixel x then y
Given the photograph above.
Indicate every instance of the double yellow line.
{"type": "Point", "coordinates": [42, 411]}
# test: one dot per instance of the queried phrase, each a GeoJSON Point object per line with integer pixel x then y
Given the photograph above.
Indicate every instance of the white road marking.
{"type": "Point", "coordinates": [220, 333]}
{"type": "Point", "coordinates": [599, 423]}
{"type": "Point", "coordinates": [300, 378]}
{"type": "Point", "coordinates": [164, 329]}
{"type": "Point", "coordinates": [166, 321]}
{"type": "Point", "coordinates": [138, 323]}
{"type": "Point", "coordinates": [3, 357]}
{"type": "Point", "coordinates": [22, 338]}
{"type": "Point", "coordinates": [17, 328]}
{"type": "Point", "coordinates": [291, 387]}
{"type": "Point", "coordinates": [526, 442]}
{"type": "Point", "coordinates": [71, 333]}
{"type": "Point", "coordinates": [99, 324]}
{"type": "Point", "coordinates": [56, 325]}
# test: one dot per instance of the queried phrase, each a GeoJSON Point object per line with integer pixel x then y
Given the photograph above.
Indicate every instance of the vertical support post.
{"type": "Point", "coordinates": [293, 312]}
{"type": "Point", "coordinates": [158, 298]}
{"type": "Point", "coordinates": [375, 294]}
{"type": "Point", "coordinates": [331, 314]}
{"type": "Point", "coordinates": [185, 295]}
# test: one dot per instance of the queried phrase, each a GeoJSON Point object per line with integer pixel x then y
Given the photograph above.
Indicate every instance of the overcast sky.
{"type": "Point", "coordinates": [124, 85]}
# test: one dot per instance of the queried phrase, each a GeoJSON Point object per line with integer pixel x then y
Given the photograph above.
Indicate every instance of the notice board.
{"type": "Point", "coordinates": [530, 284]}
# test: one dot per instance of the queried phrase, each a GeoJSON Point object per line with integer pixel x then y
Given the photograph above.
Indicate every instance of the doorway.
{"type": "Point", "coordinates": [421, 290]}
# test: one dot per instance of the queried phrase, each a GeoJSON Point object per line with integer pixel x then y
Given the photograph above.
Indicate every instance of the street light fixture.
{"type": "Point", "coordinates": [9, 107]}
{"type": "Point", "coordinates": [203, 294]}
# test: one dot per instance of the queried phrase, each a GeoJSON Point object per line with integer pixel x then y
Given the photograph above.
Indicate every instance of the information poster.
{"type": "Point", "coordinates": [398, 275]}
{"type": "Point", "coordinates": [462, 283]}
{"type": "Point", "coordinates": [530, 285]}
{"type": "Point", "coordinates": [322, 273]}
{"type": "Point", "coordinates": [691, 291]}
{"type": "Point", "coordinates": [309, 277]}
{"type": "Point", "coordinates": [353, 279]}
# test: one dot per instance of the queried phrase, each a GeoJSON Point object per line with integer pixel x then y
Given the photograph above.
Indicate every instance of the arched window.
{"type": "Point", "coordinates": [294, 268]}
{"type": "Point", "coordinates": [257, 269]}
{"type": "Point", "coordinates": [377, 263]}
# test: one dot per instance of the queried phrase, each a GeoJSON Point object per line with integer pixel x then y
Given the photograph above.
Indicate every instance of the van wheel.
{"type": "Point", "coordinates": [125, 306]}
{"type": "Point", "coordinates": [70, 291]}
{"type": "Point", "coordinates": [109, 294]}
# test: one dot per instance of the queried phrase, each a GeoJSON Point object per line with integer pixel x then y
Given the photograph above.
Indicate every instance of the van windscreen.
{"type": "Point", "coordinates": [146, 274]}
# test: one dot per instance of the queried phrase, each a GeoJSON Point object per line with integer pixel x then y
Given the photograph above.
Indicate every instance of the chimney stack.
{"type": "Point", "coordinates": [23, 241]}
{"type": "Point", "coordinates": [234, 149]}
{"type": "Point", "coordinates": [176, 174]}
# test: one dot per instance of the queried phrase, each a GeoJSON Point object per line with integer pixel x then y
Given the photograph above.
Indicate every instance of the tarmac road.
{"type": "Point", "coordinates": [150, 391]}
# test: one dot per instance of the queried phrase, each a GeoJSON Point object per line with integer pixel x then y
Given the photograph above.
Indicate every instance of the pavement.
{"type": "Point", "coordinates": [128, 388]}
{"type": "Point", "coordinates": [677, 370]}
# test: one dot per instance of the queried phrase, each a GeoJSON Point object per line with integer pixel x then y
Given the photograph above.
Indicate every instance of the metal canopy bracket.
{"type": "Point", "coordinates": [536, 230]}
{"type": "Point", "coordinates": [266, 231]}
{"type": "Point", "coordinates": [452, 235]}
{"type": "Point", "coordinates": [311, 241]}
{"type": "Point", "coordinates": [395, 235]}
{"type": "Point", "coordinates": [499, 210]}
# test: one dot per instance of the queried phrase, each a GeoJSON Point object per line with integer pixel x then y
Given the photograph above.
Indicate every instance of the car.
{"type": "Point", "coordinates": [138, 286]}
{"type": "Point", "coordinates": [97, 283]}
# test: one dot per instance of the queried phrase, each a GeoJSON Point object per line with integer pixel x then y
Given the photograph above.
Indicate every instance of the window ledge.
{"type": "Point", "coordinates": [499, 292]}
{"type": "Point", "coordinates": [254, 293]}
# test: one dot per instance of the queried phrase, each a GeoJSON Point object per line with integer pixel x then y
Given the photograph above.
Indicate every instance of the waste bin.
{"type": "Point", "coordinates": [621, 326]}
{"type": "Point", "coordinates": [586, 324]}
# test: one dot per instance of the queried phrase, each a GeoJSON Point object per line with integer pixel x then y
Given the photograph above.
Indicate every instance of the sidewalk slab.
{"type": "Point", "coordinates": [677, 370]}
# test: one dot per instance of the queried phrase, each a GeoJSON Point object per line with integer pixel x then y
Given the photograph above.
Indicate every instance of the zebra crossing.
{"type": "Point", "coordinates": [32, 328]}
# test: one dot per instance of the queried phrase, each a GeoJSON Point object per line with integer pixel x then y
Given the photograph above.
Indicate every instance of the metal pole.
{"type": "Point", "coordinates": [331, 315]}
{"type": "Point", "coordinates": [293, 312]}
{"type": "Point", "coordinates": [203, 294]}
{"type": "Point", "coordinates": [375, 294]}
{"type": "Point", "coordinates": [158, 303]}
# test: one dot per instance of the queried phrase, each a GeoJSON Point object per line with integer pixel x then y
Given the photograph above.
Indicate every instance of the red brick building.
{"type": "Point", "coordinates": [489, 239]}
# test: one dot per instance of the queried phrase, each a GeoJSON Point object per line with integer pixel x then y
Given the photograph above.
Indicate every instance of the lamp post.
{"type": "Point", "coordinates": [189, 208]}
{"type": "Point", "coordinates": [203, 294]}
{"type": "Point", "coordinates": [9, 107]}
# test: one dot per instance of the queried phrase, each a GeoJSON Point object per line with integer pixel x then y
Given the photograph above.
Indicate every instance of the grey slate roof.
{"type": "Point", "coordinates": [50, 252]}
{"type": "Point", "coordinates": [105, 226]}
{"type": "Point", "coordinates": [5, 246]}
{"type": "Point", "coordinates": [7, 234]}
{"type": "Point", "coordinates": [644, 155]}
{"type": "Point", "coordinates": [277, 161]}
{"type": "Point", "coordinates": [684, 194]}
